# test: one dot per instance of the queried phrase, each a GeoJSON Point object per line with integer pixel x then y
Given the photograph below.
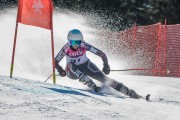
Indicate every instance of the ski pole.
{"type": "Point", "coordinates": [117, 71]}
{"type": "Point", "coordinates": [49, 77]}
{"type": "Point", "coordinates": [143, 69]}
{"type": "Point", "coordinates": [111, 70]}
{"type": "Point", "coordinates": [130, 70]}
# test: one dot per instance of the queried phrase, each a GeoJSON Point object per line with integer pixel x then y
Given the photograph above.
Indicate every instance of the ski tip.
{"type": "Point", "coordinates": [148, 97]}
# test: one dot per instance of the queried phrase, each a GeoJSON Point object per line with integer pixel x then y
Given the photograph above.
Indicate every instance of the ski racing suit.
{"type": "Point", "coordinates": [80, 67]}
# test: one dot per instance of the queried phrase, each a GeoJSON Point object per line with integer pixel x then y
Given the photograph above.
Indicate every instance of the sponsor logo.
{"type": "Point", "coordinates": [74, 54]}
{"type": "Point", "coordinates": [78, 73]}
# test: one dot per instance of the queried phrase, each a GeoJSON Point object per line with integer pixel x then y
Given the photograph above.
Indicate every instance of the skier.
{"type": "Point", "coordinates": [80, 67]}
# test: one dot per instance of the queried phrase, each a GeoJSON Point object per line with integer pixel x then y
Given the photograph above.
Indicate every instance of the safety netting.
{"type": "Point", "coordinates": [146, 50]}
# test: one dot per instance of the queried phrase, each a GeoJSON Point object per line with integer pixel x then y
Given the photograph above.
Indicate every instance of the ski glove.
{"type": "Point", "coordinates": [106, 68]}
{"type": "Point", "coordinates": [62, 73]}
{"type": "Point", "coordinates": [60, 70]}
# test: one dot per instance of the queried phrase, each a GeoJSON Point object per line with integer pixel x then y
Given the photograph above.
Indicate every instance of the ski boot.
{"type": "Point", "coordinates": [133, 94]}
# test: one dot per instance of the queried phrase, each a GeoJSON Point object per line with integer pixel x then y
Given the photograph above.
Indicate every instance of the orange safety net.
{"type": "Point", "coordinates": [173, 50]}
{"type": "Point", "coordinates": [147, 50]}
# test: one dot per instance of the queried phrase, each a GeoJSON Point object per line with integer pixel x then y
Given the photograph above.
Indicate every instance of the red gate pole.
{"type": "Point", "coordinates": [14, 44]}
{"type": "Point", "coordinates": [52, 43]}
{"type": "Point", "coordinates": [53, 64]}
{"type": "Point", "coordinates": [14, 49]}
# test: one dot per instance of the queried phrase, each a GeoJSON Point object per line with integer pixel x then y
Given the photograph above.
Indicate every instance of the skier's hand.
{"type": "Point", "coordinates": [60, 70]}
{"type": "Point", "coordinates": [106, 69]}
{"type": "Point", "coordinates": [62, 73]}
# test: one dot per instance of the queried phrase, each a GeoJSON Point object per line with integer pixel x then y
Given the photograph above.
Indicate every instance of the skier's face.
{"type": "Point", "coordinates": [75, 46]}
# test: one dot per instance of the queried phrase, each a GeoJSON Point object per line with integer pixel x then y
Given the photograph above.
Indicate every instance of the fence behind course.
{"type": "Point", "coordinates": [149, 50]}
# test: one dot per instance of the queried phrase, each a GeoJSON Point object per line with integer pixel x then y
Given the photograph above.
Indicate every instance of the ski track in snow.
{"type": "Point", "coordinates": [33, 100]}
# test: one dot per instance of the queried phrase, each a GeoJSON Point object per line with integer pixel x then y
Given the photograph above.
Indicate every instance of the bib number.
{"type": "Point", "coordinates": [76, 60]}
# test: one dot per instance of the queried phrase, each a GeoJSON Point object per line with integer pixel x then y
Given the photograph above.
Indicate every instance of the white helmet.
{"type": "Point", "coordinates": [75, 37]}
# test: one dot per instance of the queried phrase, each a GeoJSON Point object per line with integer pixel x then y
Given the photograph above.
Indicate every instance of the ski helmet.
{"type": "Point", "coordinates": [75, 37]}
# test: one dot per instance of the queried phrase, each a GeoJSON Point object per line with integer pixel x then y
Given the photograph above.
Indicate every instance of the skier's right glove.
{"type": "Point", "coordinates": [62, 73]}
{"type": "Point", "coordinates": [60, 70]}
{"type": "Point", "coordinates": [106, 68]}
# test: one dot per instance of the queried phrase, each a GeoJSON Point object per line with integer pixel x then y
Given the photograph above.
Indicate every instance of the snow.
{"type": "Point", "coordinates": [33, 100]}
{"type": "Point", "coordinates": [28, 97]}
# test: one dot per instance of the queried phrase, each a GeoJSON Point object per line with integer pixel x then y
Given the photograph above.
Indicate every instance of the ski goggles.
{"type": "Point", "coordinates": [74, 42]}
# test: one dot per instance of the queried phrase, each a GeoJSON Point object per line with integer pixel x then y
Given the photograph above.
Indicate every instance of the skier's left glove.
{"type": "Point", "coordinates": [106, 68]}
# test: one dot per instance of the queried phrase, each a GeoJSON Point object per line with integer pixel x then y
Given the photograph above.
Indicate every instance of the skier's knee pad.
{"type": "Point", "coordinates": [71, 67]}
{"type": "Point", "coordinates": [71, 70]}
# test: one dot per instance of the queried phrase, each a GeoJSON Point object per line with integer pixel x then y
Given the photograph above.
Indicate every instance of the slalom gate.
{"type": "Point", "coordinates": [148, 50]}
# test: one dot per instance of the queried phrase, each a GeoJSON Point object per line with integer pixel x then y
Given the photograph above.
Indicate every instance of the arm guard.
{"type": "Point", "coordinates": [58, 58]}
{"type": "Point", "coordinates": [97, 52]}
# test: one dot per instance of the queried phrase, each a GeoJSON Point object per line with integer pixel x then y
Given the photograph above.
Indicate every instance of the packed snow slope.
{"type": "Point", "coordinates": [34, 100]}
